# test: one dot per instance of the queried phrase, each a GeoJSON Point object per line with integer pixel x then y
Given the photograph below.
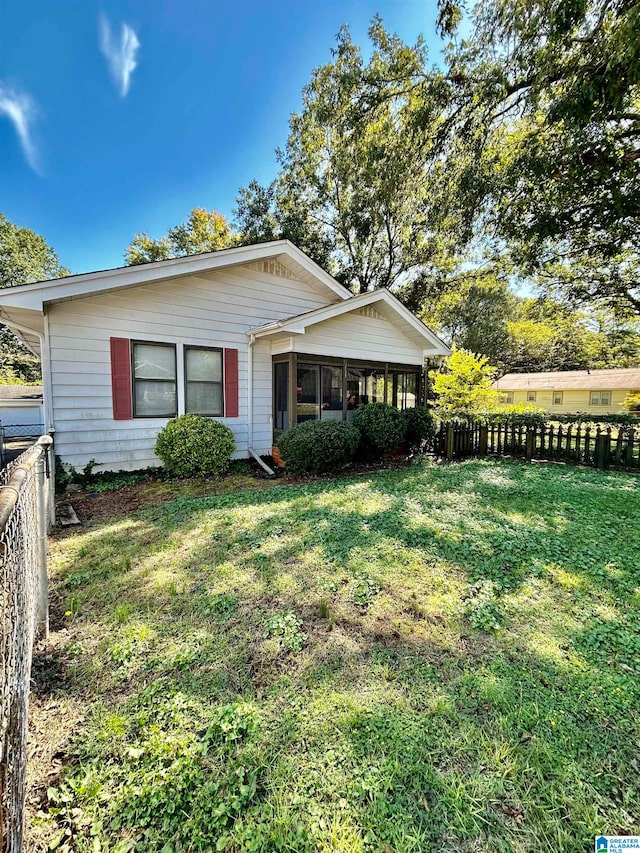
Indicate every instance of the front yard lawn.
{"type": "Point", "coordinates": [445, 657]}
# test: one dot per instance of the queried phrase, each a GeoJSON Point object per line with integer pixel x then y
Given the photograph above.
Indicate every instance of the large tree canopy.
{"type": "Point", "coordinates": [359, 183]}
{"type": "Point", "coordinates": [479, 311]}
{"type": "Point", "coordinates": [204, 231]}
{"type": "Point", "coordinates": [24, 257]}
{"type": "Point", "coordinates": [543, 138]}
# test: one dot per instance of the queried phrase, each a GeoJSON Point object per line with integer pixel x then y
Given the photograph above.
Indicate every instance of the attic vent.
{"type": "Point", "coordinates": [368, 311]}
{"type": "Point", "coordinates": [272, 267]}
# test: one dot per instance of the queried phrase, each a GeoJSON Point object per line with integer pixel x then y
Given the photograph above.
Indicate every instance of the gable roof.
{"type": "Point", "coordinates": [298, 324]}
{"type": "Point", "coordinates": [571, 380]}
{"type": "Point", "coordinates": [35, 295]}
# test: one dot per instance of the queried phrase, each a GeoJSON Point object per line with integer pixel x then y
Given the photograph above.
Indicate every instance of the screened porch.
{"type": "Point", "coordinates": [308, 387]}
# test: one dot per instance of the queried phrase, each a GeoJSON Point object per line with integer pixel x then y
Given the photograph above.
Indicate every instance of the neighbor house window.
{"type": "Point", "coordinates": [600, 398]}
{"type": "Point", "coordinates": [508, 396]}
{"type": "Point", "coordinates": [557, 398]}
{"type": "Point", "coordinates": [531, 396]}
{"type": "Point", "coordinates": [203, 381]}
{"type": "Point", "coordinates": [154, 380]}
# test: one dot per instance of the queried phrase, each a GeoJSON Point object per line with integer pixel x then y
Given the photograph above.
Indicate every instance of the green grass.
{"type": "Point", "coordinates": [439, 658]}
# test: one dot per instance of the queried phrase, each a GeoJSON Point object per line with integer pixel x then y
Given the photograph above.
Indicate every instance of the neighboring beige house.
{"type": "Point", "coordinates": [597, 392]}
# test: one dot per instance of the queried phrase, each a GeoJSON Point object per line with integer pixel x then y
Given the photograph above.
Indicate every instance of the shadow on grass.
{"type": "Point", "coordinates": [396, 724]}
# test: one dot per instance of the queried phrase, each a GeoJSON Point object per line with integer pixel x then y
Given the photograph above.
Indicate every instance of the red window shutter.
{"type": "Point", "coordinates": [231, 383]}
{"type": "Point", "coordinates": [121, 379]}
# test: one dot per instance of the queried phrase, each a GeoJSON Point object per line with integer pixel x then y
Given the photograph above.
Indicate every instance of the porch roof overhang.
{"type": "Point", "coordinates": [385, 302]}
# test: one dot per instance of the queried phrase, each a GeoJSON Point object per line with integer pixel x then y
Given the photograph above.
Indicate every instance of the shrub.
{"type": "Point", "coordinates": [515, 414]}
{"type": "Point", "coordinates": [421, 427]}
{"type": "Point", "coordinates": [632, 402]}
{"type": "Point", "coordinates": [464, 387]}
{"type": "Point", "coordinates": [318, 446]}
{"type": "Point", "coordinates": [382, 427]}
{"type": "Point", "coordinates": [190, 445]}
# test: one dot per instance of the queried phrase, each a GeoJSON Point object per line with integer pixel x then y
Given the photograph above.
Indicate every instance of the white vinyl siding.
{"type": "Point", "coordinates": [212, 311]}
{"type": "Point", "coordinates": [365, 338]}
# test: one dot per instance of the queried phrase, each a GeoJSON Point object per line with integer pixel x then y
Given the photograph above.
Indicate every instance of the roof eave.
{"type": "Point", "coordinates": [36, 294]}
{"type": "Point", "coordinates": [299, 323]}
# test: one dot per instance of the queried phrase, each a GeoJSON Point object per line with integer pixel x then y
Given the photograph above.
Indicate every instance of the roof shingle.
{"type": "Point", "coordinates": [572, 380]}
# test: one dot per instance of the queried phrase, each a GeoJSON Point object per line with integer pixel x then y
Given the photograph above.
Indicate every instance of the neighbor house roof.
{"type": "Point", "coordinates": [384, 301]}
{"type": "Point", "coordinates": [20, 393]}
{"type": "Point", "coordinates": [571, 380]}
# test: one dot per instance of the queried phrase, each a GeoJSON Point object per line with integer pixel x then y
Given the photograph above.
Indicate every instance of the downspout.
{"type": "Point", "coordinates": [252, 452]}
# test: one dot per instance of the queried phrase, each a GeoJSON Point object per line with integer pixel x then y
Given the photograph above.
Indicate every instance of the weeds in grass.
{"type": "Point", "coordinates": [364, 590]}
{"type": "Point", "coordinates": [478, 690]}
{"type": "Point", "coordinates": [287, 628]}
{"type": "Point", "coordinates": [483, 608]}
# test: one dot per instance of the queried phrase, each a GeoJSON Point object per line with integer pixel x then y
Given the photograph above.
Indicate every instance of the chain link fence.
{"type": "Point", "coordinates": [24, 495]}
{"type": "Point", "coordinates": [15, 439]}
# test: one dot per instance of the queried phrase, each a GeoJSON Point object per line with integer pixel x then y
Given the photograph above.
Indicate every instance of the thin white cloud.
{"type": "Point", "coordinates": [120, 53]}
{"type": "Point", "coordinates": [21, 111]}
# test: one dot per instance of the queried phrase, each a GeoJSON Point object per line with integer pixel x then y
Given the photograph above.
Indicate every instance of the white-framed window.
{"type": "Point", "coordinates": [203, 384]}
{"type": "Point", "coordinates": [154, 380]}
{"type": "Point", "coordinates": [557, 398]}
{"type": "Point", "coordinates": [531, 396]}
{"type": "Point", "coordinates": [508, 396]}
{"type": "Point", "coordinates": [600, 398]}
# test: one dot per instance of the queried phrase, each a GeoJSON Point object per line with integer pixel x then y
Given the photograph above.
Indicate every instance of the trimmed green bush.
{"type": "Point", "coordinates": [382, 427]}
{"type": "Point", "coordinates": [318, 446]}
{"type": "Point", "coordinates": [421, 428]}
{"type": "Point", "coordinates": [192, 445]}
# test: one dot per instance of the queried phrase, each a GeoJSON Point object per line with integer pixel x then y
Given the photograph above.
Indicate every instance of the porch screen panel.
{"type": "Point", "coordinates": [281, 396]}
{"type": "Point", "coordinates": [308, 393]}
{"type": "Point", "coordinates": [364, 385]}
{"type": "Point", "coordinates": [332, 380]}
{"type": "Point", "coordinates": [407, 391]}
{"type": "Point", "coordinates": [402, 389]}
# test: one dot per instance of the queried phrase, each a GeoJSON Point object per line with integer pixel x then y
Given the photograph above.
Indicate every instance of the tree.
{"type": "Point", "coordinates": [359, 173]}
{"type": "Point", "coordinates": [24, 257]}
{"type": "Point", "coordinates": [543, 140]}
{"type": "Point", "coordinates": [469, 310]}
{"type": "Point", "coordinates": [479, 311]}
{"type": "Point", "coordinates": [464, 386]}
{"type": "Point", "coordinates": [204, 231]}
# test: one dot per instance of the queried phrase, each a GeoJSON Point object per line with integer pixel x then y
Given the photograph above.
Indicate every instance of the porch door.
{"type": "Point", "coordinates": [280, 398]}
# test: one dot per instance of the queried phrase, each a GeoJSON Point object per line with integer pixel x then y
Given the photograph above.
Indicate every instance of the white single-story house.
{"type": "Point", "coordinates": [259, 337]}
{"type": "Point", "coordinates": [21, 410]}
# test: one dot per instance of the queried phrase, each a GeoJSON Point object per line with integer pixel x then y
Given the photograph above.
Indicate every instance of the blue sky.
{"type": "Point", "coordinates": [108, 149]}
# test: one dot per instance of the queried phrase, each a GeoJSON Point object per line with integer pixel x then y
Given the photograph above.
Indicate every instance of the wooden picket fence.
{"type": "Point", "coordinates": [598, 447]}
